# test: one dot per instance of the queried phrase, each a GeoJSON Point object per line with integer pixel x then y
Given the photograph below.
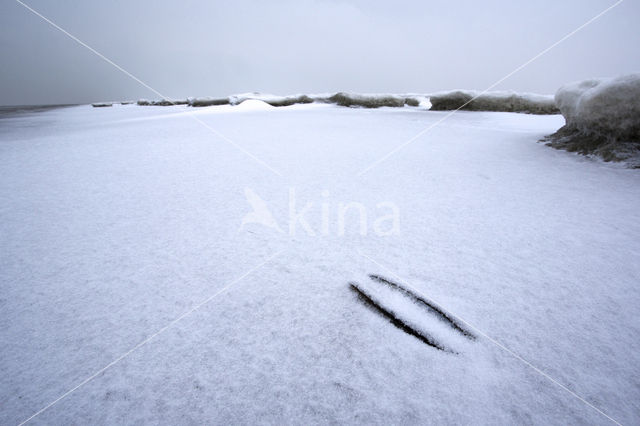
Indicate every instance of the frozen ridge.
{"type": "Point", "coordinates": [499, 101]}
{"type": "Point", "coordinates": [490, 101]}
{"type": "Point", "coordinates": [602, 118]}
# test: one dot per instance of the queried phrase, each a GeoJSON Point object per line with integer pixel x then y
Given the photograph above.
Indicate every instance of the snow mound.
{"type": "Point", "coordinates": [254, 105]}
{"type": "Point", "coordinates": [493, 101]}
{"type": "Point", "coordinates": [273, 100]}
{"type": "Point", "coordinates": [602, 118]}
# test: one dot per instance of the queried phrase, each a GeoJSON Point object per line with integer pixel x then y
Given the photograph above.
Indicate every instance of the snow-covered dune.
{"type": "Point", "coordinates": [493, 101]}
{"type": "Point", "coordinates": [602, 118]}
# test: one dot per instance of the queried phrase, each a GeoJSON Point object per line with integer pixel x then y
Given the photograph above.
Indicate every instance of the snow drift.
{"type": "Point", "coordinates": [254, 105]}
{"type": "Point", "coordinates": [493, 101]}
{"type": "Point", "coordinates": [602, 118]}
{"type": "Point", "coordinates": [273, 100]}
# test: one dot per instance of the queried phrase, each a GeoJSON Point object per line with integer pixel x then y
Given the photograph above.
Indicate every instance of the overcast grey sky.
{"type": "Point", "coordinates": [210, 48]}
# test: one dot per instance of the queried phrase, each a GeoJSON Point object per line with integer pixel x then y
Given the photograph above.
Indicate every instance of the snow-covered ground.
{"type": "Point", "coordinates": [114, 222]}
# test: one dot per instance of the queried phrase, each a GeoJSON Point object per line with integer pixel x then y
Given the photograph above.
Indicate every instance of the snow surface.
{"type": "Point", "coordinates": [116, 221]}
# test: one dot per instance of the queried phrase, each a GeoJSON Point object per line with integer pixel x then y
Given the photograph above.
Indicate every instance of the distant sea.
{"type": "Point", "coordinates": [12, 110]}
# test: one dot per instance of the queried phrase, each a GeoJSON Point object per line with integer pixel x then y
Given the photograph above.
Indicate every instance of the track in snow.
{"type": "Point", "coordinates": [400, 318]}
{"type": "Point", "coordinates": [429, 305]}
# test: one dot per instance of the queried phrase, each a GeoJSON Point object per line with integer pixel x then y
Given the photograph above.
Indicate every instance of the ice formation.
{"type": "Point", "coordinates": [602, 118]}
{"type": "Point", "coordinates": [493, 101]}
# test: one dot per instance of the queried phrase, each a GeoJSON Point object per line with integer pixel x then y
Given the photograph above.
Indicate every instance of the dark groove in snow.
{"type": "Point", "coordinates": [393, 319]}
{"type": "Point", "coordinates": [432, 307]}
